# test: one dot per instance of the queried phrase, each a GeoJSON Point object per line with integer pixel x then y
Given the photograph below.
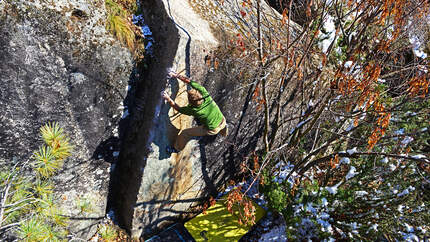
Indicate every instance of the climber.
{"type": "Point", "coordinates": [201, 106]}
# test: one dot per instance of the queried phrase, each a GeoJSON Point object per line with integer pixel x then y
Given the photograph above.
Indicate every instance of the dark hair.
{"type": "Point", "coordinates": [194, 97]}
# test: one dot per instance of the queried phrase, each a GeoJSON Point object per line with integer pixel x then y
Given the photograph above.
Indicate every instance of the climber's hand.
{"type": "Point", "coordinates": [166, 96]}
{"type": "Point", "coordinates": [173, 74]}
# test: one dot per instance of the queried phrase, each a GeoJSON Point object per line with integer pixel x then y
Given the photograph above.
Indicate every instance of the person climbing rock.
{"type": "Point", "coordinates": [201, 106]}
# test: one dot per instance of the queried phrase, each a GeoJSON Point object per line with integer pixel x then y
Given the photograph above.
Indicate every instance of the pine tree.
{"type": "Point", "coordinates": [27, 208]}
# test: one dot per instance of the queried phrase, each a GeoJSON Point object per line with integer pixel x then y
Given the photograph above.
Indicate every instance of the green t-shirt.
{"type": "Point", "coordinates": [208, 113]}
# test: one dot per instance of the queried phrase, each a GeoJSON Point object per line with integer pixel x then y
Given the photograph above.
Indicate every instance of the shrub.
{"type": "Point", "coordinates": [107, 232]}
{"type": "Point", "coordinates": [119, 25]}
{"type": "Point", "coordinates": [84, 205]}
{"type": "Point", "coordinates": [27, 207]}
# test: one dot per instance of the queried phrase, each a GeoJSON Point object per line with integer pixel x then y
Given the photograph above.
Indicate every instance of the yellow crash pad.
{"type": "Point", "coordinates": [219, 225]}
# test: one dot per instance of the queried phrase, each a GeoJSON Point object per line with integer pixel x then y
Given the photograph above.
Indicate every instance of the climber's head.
{"type": "Point", "coordinates": [194, 97]}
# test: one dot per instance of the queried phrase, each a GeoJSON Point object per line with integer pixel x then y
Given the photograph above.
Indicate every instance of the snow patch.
{"type": "Point", "coordinates": [399, 132]}
{"type": "Point", "coordinates": [417, 47]}
{"type": "Point", "coordinates": [407, 140]}
{"type": "Point", "coordinates": [351, 173]}
{"type": "Point", "coordinates": [406, 191]}
{"type": "Point", "coordinates": [333, 189]}
{"type": "Point", "coordinates": [282, 173]}
{"type": "Point", "coordinates": [409, 229]}
{"type": "Point", "coordinates": [330, 30]}
{"type": "Point", "coordinates": [345, 160]}
{"type": "Point", "coordinates": [352, 151]}
{"type": "Point", "coordinates": [325, 226]}
{"type": "Point", "coordinates": [300, 124]}
{"type": "Point", "coordinates": [348, 64]}
{"type": "Point", "coordinates": [275, 234]}
{"type": "Point", "coordinates": [361, 193]}
{"type": "Point", "coordinates": [125, 114]}
{"type": "Point", "coordinates": [310, 208]}
{"type": "Point", "coordinates": [385, 160]}
{"type": "Point", "coordinates": [306, 229]}
{"type": "Point", "coordinates": [419, 156]}
{"type": "Point", "coordinates": [410, 237]}
{"type": "Point", "coordinates": [324, 202]}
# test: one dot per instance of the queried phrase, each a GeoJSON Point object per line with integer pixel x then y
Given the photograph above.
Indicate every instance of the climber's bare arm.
{"type": "Point", "coordinates": [184, 79]}
{"type": "Point", "coordinates": [170, 101]}
{"type": "Point", "coordinates": [180, 77]}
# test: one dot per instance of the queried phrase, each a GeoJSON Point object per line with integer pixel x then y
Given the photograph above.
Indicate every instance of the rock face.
{"type": "Point", "coordinates": [58, 63]}
{"type": "Point", "coordinates": [150, 187]}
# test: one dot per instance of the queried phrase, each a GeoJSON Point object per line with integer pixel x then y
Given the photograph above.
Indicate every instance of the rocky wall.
{"type": "Point", "coordinates": [58, 63]}
{"type": "Point", "coordinates": [150, 187]}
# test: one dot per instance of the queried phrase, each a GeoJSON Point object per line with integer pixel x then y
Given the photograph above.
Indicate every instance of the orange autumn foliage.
{"type": "Point", "coordinates": [419, 85]}
{"type": "Point", "coordinates": [334, 161]}
{"type": "Point", "coordinates": [239, 204]}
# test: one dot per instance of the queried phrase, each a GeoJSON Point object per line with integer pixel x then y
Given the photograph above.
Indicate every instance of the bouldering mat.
{"type": "Point", "coordinates": [219, 225]}
{"type": "Point", "coordinates": [174, 233]}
